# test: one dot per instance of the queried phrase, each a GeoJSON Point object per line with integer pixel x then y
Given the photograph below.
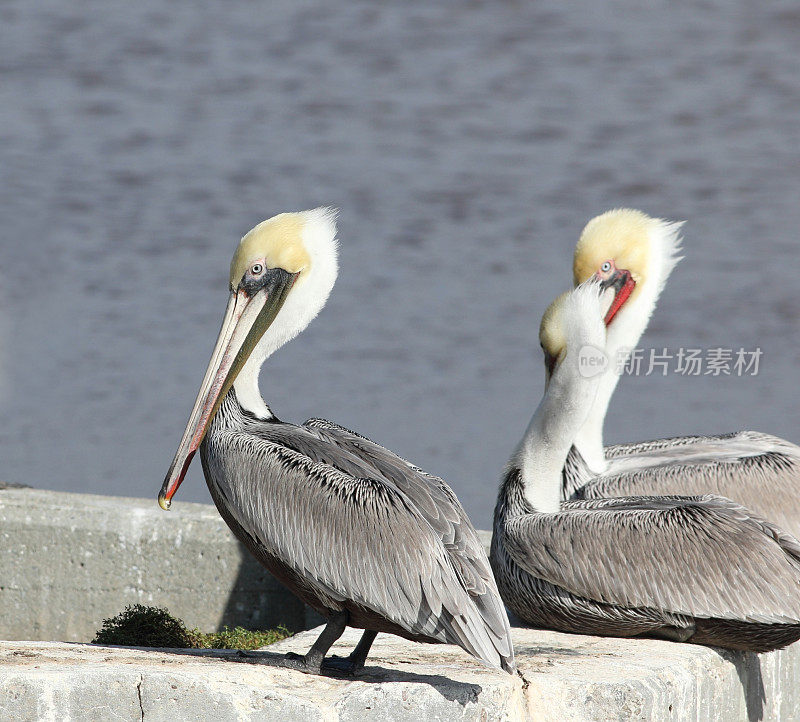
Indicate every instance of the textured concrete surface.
{"type": "Point", "coordinates": [574, 677]}
{"type": "Point", "coordinates": [68, 561]}
{"type": "Point", "coordinates": [565, 678]}
{"type": "Point", "coordinates": [57, 681]}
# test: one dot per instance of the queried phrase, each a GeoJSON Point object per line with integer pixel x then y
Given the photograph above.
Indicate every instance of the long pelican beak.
{"type": "Point", "coordinates": [623, 284]}
{"type": "Point", "coordinates": [248, 315]}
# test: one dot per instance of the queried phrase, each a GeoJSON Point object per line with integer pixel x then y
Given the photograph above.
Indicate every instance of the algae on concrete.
{"type": "Point", "coordinates": [142, 626]}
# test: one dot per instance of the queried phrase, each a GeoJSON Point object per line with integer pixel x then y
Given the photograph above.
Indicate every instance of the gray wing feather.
{"type": "Point", "coordinates": [761, 472]}
{"type": "Point", "coordinates": [725, 446]}
{"type": "Point", "coordinates": [702, 556]}
{"type": "Point", "coordinates": [436, 502]}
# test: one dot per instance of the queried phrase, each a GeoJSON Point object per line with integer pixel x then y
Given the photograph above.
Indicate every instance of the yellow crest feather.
{"type": "Point", "coordinates": [278, 240]}
{"type": "Point", "coordinates": [621, 235]}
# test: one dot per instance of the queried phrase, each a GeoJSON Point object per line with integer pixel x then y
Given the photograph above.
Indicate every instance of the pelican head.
{"type": "Point", "coordinates": [630, 252]}
{"type": "Point", "coordinates": [573, 320]}
{"type": "Point", "coordinates": [552, 337]}
{"type": "Point", "coordinates": [285, 265]}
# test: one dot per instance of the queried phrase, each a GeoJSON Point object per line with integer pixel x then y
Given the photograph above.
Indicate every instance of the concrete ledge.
{"type": "Point", "coordinates": [565, 678]}
{"type": "Point", "coordinates": [68, 561]}
{"type": "Point", "coordinates": [57, 681]}
{"type": "Point", "coordinates": [575, 677]}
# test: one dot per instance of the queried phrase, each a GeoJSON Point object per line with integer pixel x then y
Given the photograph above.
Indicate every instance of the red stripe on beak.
{"type": "Point", "coordinates": [621, 297]}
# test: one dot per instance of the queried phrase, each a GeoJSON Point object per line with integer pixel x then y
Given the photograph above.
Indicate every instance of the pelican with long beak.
{"type": "Point", "coordinates": [699, 569]}
{"type": "Point", "coordinates": [634, 255]}
{"type": "Point", "coordinates": [359, 534]}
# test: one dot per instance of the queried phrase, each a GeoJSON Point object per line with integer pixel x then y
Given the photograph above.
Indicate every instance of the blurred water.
{"type": "Point", "coordinates": [466, 145]}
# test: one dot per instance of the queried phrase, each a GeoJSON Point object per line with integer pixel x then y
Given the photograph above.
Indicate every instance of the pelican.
{"type": "Point", "coordinates": [699, 569]}
{"type": "Point", "coordinates": [635, 254]}
{"type": "Point", "coordinates": [356, 532]}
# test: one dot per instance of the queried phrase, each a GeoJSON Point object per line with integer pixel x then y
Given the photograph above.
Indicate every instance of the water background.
{"type": "Point", "coordinates": [466, 145]}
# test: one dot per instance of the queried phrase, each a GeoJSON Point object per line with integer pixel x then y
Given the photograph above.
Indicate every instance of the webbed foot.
{"type": "Point", "coordinates": [310, 664]}
{"type": "Point", "coordinates": [342, 665]}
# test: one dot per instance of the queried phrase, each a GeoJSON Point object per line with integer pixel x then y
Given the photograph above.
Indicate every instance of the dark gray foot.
{"type": "Point", "coordinates": [310, 663]}
{"type": "Point", "coordinates": [342, 665]}
{"type": "Point", "coordinates": [301, 663]}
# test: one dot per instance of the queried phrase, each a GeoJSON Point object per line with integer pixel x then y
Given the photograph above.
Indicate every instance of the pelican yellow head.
{"type": "Point", "coordinates": [552, 336]}
{"type": "Point", "coordinates": [276, 242]}
{"type": "Point", "coordinates": [629, 250]}
{"type": "Point", "coordinates": [573, 320]}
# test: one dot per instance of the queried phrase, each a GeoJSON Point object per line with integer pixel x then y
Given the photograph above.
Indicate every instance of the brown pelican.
{"type": "Point", "coordinates": [359, 534]}
{"type": "Point", "coordinates": [635, 254]}
{"type": "Point", "coordinates": [700, 569]}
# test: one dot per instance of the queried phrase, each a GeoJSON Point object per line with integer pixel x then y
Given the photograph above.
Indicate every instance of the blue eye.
{"type": "Point", "coordinates": [257, 269]}
{"type": "Point", "coordinates": [606, 267]}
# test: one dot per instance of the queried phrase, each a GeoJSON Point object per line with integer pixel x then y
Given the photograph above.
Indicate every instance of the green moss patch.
{"type": "Point", "coordinates": [140, 626]}
{"type": "Point", "coordinates": [241, 638]}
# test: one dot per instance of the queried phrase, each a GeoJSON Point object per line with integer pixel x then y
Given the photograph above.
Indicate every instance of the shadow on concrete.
{"type": "Point", "coordinates": [532, 652]}
{"type": "Point", "coordinates": [461, 692]}
{"type": "Point", "coordinates": [748, 669]}
{"type": "Point", "coordinates": [258, 601]}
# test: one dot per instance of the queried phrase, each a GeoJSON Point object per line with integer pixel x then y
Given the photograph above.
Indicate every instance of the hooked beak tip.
{"type": "Point", "coordinates": [163, 502]}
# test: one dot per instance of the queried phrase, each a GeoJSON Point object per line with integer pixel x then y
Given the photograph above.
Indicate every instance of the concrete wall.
{"type": "Point", "coordinates": [68, 561]}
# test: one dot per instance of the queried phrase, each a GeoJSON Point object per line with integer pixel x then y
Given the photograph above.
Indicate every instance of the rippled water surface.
{"type": "Point", "coordinates": [466, 145]}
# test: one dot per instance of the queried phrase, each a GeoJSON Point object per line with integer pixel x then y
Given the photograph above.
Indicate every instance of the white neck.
{"type": "Point", "coordinates": [304, 301]}
{"type": "Point", "coordinates": [248, 395]}
{"type": "Point", "coordinates": [624, 333]}
{"type": "Point", "coordinates": [562, 411]}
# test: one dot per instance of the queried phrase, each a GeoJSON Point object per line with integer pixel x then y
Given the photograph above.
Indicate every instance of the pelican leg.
{"type": "Point", "coordinates": [311, 661]}
{"type": "Point", "coordinates": [354, 662]}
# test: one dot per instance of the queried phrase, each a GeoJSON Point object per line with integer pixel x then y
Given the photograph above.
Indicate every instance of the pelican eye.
{"type": "Point", "coordinates": [606, 267]}
{"type": "Point", "coordinates": [257, 269]}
